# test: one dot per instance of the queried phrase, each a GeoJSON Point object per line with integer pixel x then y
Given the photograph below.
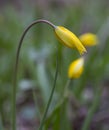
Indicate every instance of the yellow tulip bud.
{"type": "Point", "coordinates": [76, 68]}
{"type": "Point", "coordinates": [69, 39]}
{"type": "Point", "coordinates": [89, 39]}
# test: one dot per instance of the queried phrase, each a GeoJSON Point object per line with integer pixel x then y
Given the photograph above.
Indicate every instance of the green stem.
{"type": "Point", "coordinates": [16, 69]}
{"type": "Point", "coordinates": [50, 98]}
{"type": "Point", "coordinates": [66, 91]}
{"type": "Point", "coordinates": [70, 94]}
{"type": "Point", "coordinates": [92, 110]}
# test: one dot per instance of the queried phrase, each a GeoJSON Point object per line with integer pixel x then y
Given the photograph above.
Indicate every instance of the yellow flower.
{"type": "Point", "coordinates": [89, 39]}
{"type": "Point", "coordinates": [76, 68]}
{"type": "Point", "coordinates": [69, 39]}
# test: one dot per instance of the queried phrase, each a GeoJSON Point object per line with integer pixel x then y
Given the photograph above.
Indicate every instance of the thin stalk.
{"type": "Point", "coordinates": [68, 93]}
{"type": "Point", "coordinates": [67, 87]}
{"type": "Point", "coordinates": [16, 69]}
{"type": "Point", "coordinates": [50, 98]}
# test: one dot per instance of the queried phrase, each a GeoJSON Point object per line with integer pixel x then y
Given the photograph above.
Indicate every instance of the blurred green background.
{"type": "Point", "coordinates": [38, 63]}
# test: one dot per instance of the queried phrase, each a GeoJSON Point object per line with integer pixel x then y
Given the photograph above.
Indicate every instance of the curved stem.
{"type": "Point", "coordinates": [16, 69]}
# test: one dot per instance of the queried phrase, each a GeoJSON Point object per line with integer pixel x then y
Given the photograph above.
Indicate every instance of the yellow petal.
{"type": "Point", "coordinates": [76, 68]}
{"type": "Point", "coordinates": [69, 39]}
{"type": "Point", "coordinates": [89, 39]}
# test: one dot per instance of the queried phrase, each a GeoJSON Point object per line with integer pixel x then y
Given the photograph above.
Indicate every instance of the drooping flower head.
{"type": "Point", "coordinates": [89, 39]}
{"type": "Point", "coordinates": [69, 39]}
{"type": "Point", "coordinates": [76, 68]}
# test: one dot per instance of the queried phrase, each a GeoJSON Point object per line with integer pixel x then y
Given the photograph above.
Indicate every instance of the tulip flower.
{"type": "Point", "coordinates": [76, 68]}
{"type": "Point", "coordinates": [89, 39]}
{"type": "Point", "coordinates": [69, 39]}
